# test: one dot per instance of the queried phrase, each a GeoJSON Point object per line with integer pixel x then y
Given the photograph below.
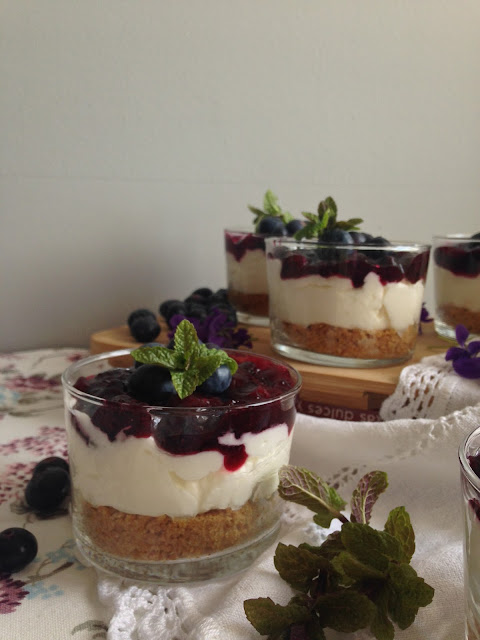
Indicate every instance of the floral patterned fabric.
{"type": "Point", "coordinates": [54, 597]}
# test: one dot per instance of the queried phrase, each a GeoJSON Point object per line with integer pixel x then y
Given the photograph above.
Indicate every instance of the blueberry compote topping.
{"type": "Point", "coordinates": [239, 243]}
{"type": "Point", "coordinates": [198, 422]}
{"type": "Point", "coordinates": [462, 259]}
{"type": "Point", "coordinates": [355, 264]}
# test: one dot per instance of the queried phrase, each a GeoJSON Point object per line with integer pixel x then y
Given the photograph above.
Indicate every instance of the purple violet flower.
{"type": "Point", "coordinates": [464, 358]}
{"type": "Point", "coordinates": [424, 317]}
{"type": "Point", "coordinates": [216, 328]}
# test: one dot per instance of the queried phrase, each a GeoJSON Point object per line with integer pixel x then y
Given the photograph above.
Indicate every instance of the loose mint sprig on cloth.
{"type": "Point", "coordinates": [464, 358]}
{"type": "Point", "coordinates": [325, 218]}
{"type": "Point", "coordinates": [359, 578]}
{"type": "Point", "coordinates": [190, 362]}
{"type": "Point", "coordinates": [271, 208]}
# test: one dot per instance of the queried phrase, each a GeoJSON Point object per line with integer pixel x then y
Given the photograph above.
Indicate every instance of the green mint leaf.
{"type": "Point", "coordinates": [366, 494]}
{"type": "Point", "coordinates": [270, 203]}
{"type": "Point", "coordinates": [330, 547]}
{"type": "Point", "coordinates": [371, 547]}
{"type": "Point", "coordinates": [298, 566]}
{"type": "Point", "coordinates": [205, 366]}
{"type": "Point", "coordinates": [381, 625]}
{"type": "Point", "coordinates": [185, 382]}
{"type": "Point", "coordinates": [354, 570]}
{"type": "Point", "coordinates": [399, 526]}
{"type": "Point", "coordinates": [186, 340]}
{"type": "Point", "coordinates": [269, 618]}
{"type": "Point", "coordinates": [345, 610]}
{"type": "Point", "coordinates": [408, 593]}
{"type": "Point", "coordinates": [158, 355]}
{"type": "Point", "coordinates": [304, 487]}
{"type": "Point", "coordinates": [329, 205]}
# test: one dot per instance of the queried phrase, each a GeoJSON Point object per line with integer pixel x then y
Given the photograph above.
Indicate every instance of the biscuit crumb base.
{"type": "Point", "coordinates": [255, 304]}
{"type": "Point", "coordinates": [162, 538]}
{"type": "Point", "coordinates": [351, 343]}
{"type": "Point", "coordinates": [452, 315]}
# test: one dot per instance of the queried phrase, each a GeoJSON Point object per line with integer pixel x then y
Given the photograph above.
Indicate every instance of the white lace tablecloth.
{"type": "Point", "coordinates": [57, 597]}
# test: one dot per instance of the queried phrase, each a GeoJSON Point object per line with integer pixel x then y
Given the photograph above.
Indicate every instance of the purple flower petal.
{"type": "Point", "coordinates": [467, 368]}
{"type": "Point", "coordinates": [473, 347]}
{"type": "Point", "coordinates": [455, 353]}
{"type": "Point", "coordinates": [461, 333]}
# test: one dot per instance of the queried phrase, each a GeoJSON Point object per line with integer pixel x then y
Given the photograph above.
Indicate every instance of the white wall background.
{"type": "Point", "coordinates": [133, 131]}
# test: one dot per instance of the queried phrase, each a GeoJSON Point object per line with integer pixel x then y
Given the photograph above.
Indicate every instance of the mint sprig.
{"type": "Point", "coordinates": [271, 208]}
{"type": "Point", "coordinates": [358, 578]}
{"type": "Point", "coordinates": [325, 218]}
{"type": "Point", "coordinates": [190, 362]}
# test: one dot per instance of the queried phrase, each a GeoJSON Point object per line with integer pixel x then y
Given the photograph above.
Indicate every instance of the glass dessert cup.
{"type": "Point", "coordinates": [469, 456]}
{"type": "Point", "coordinates": [345, 305]}
{"type": "Point", "coordinates": [456, 273]}
{"type": "Point", "coordinates": [247, 276]}
{"type": "Point", "coordinates": [177, 493]}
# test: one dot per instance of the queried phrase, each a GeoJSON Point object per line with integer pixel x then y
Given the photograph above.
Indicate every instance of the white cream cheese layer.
{"type": "Point", "coordinates": [134, 476]}
{"type": "Point", "coordinates": [250, 274]}
{"type": "Point", "coordinates": [459, 291]}
{"type": "Point", "coordinates": [334, 301]}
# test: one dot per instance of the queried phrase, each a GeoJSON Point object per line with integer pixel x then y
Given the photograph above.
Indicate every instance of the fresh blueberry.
{"type": "Point", "coordinates": [165, 305]}
{"type": "Point", "coordinates": [359, 237]}
{"type": "Point", "coordinates": [336, 236]}
{"type": "Point", "coordinates": [47, 489]}
{"type": "Point", "coordinates": [218, 382]}
{"type": "Point", "coordinates": [51, 461]}
{"type": "Point", "coordinates": [139, 313]}
{"type": "Point", "coordinates": [476, 236]}
{"type": "Point", "coordinates": [293, 226]}
{"type": "Point", "coordinates": [18, 547]}
{"type": "Point", "coordinates": [151, 383]}
{"type": "Point", "coordinates": [145, 328]}
{"type": "Point", "coordinates": [203, 292]}
{"type": "Point", "coordinates": [272, 226]}
{"type": "Point", "coordinates": [379, 241]}
{"type": "Point", "coordinates": [194, 309]}
{"type": "Point", "coordinates": [176, 307]}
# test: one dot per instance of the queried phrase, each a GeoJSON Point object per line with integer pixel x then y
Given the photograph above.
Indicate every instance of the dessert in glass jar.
{"type": "Point", "coordinates": [345, 298]}
{"type": "Point", "coordinates": [175, 457]}
{"type": "Point", "coordinates": [245, 259]}
{"type": "Point", "coordinates": [456, 272]}
{"type": "Point", "coordinates": [469, 456]}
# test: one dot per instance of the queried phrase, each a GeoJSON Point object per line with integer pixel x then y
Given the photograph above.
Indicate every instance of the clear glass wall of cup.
{"type": "Point", "coordinates": [345, 305]}
{"type": "Point", "coordinates": [176, 493]}
{"type": "Point", "coordinates": [456, 273]}
{"type": "Point", "coordinates": [247, 276]}
{"type": "Point", "coordinates": [469, 455]}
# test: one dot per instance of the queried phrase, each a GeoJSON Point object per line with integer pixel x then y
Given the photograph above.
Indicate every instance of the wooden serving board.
{"type": "Point", "coordinates": [341, 393]}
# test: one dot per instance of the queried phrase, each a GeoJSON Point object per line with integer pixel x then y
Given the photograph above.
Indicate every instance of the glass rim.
{"type": "Point", "coordinates": [245, 232]}
{"type": "Point", "coordinates": [457, 237]}
{"type": "Point", "coordinates": [74, 368]}
{"type": "Point", "coordinates": [467, 470]}
{"type": "Point", "coordinates": [310, 242]}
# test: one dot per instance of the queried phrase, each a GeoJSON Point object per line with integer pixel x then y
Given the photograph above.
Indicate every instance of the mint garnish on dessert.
{"type": "Point", "coordinates": [271, 209]}
{"type": "Point", "coordinates": [190, 362]}
{"type": "Point", "coordinates": [359, 578]}
{"type": "Point", "coordinates": [325, 219]}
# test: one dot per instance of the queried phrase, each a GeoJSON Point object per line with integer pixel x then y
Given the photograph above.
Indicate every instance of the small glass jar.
{"type": "Point", "coordinates": [345, 305]}
{"type": "Point", "coordinates": [469, 456]}
{"type": "Point", "coordinates": [176, 493]}
{"type": "Point", "coordinates": [456, 273]}
{"type": "Point", "coordinates": [247, 276]}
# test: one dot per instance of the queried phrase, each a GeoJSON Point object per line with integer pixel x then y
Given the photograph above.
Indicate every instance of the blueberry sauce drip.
{"type": "Point", "coordinates": [461, 260]}
{"type": "Point", "coordinates": [184, 431]}
{"type": "Point", "coordinates": [239, 244]}
{"type": "Point", "coordinates": [390, 266]}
